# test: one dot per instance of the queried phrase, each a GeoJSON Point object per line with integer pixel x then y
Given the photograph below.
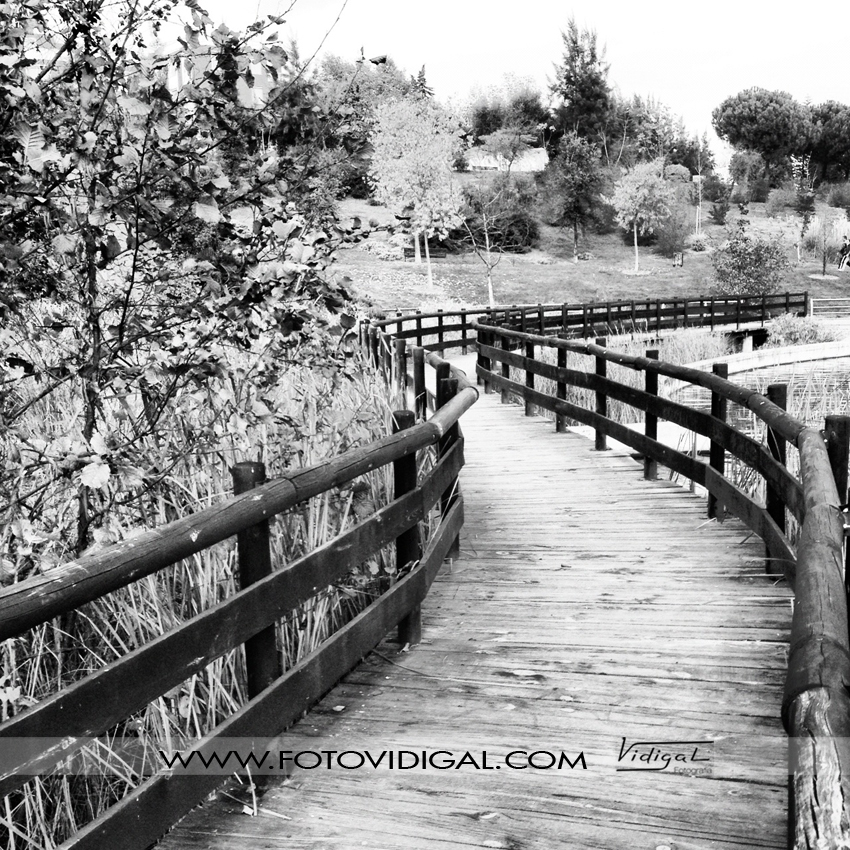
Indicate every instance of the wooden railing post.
{"type": "Point", "coordinates": [529, 377]}
{"type": "Point", "coordinates": [363, 335]}
{"type": "Point", "coordinates": [419, 327]}
{"type": "Point", "coordinates": [463, 328]}
{"type": "Point", "coordinates": [485, 338]}
{"type": "Point", "coordinates": [440, 328]}
{"type": "Point", "coordinates": [386, 357]}
{"type": "Point", "coordinates": [506, 372]}
{"type": "Point", "coordinates": [420, 393]}
{"type": "Point", "coordinates": [776, 445]}
{"type": "Point", "coordinates": [601, 399]}
{"type": "Point", "coordinates": [262, 660]}
{"type": "Point", "coordinates": [561, 392]}
{"type": "Point", "coordinates": [373, 345]}
{"type": "Point", "coordinates": [446, 391]}
{"type": "Point", "coordinates": [838, 448]}
{"type": "Point", "coordinates": [408, 547]}
{"type": "Point", "coordinates": [650, 465]}
{"type": "Point", "coordinates": [401, 369]}
{"type": "Point", "coordinates": [717, 454]}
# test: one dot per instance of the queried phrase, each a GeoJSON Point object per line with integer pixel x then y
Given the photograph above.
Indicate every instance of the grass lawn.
{"type": "Point", "coordinates": [548, 274]}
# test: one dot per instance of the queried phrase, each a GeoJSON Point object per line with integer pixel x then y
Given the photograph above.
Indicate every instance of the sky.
{"type": "Point", "coordinates": [688, 56]}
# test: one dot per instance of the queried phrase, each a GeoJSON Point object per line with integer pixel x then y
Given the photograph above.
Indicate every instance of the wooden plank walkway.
{"type": "Point", "coordinates": [588, 606]}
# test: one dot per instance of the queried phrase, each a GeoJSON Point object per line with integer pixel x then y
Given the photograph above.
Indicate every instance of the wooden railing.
{"type": "Point", "coordinates": [830, 308]}
{"type": "Point", "coordinates": [453, 329]}
{"type": "Point", "coordinates": [35, 740]}
{"type": "Point", "coordinates": [816, 706]}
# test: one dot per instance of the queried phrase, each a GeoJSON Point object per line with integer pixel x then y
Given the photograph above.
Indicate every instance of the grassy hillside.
{"type": "Point", "coordinates": [548, 272]}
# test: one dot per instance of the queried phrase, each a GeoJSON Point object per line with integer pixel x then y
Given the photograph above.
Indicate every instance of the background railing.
{"type": "Point", "coordinates": [816, 706]}
{"type": "Point", "coordinates": [34, 741]}
{"type": "Point", "coordinates": [454, 328]}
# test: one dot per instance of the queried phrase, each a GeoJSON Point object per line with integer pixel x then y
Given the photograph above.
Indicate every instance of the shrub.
{"type": "Point", "coordinates": [714, 188]}
{"type": "Point", "coordinates": [503, 208]}
{"type": "Point", "coordinates": [797, 330]}
{"type": "Point", "coordinates": [673, 232]}
{"type": "Point", "coordinates": [780, 200]}
{"type": "Point", "coordinates": [749, 265]}
{"type": "Point", "coordinates": [740, 194]}
{"type": "Point", "coordinates": [759, 190]}
{"type": "Point", "coordinates": [696, 242]}
{"type": "Point", "coordinates": [719, 210]}
{"type": "Point", "coordinates": [839, 196]}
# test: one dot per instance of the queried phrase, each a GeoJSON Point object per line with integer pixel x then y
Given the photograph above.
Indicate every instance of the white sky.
{"type": "Point", "coordinates": [689, 55]}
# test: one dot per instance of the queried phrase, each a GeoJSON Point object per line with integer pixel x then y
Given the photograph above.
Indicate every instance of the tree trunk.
{"type": "Point", "coordinates": [637, 259]}
{"type": "Point", "coordinates": [489, 262]}
{"type": "Point", "coordinates": [417, 255]}
{"type": "Point", "coordinates": [428, 263]}
{"type": "Point", "coordinates": [575, 242]}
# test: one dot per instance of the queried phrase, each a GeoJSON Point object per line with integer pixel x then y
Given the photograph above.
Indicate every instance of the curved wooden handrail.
{"type": "Point", "coordinates": [816, 705]}
{"type": "Point", "coordinates": [34, 740]}
{"type": "Point", "coordinates": [38, 599]}
{"type": "Point", "coordinates": [589, 319]}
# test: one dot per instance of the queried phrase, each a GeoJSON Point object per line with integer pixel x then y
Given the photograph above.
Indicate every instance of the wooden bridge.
{"type": "Point", "coordinates": [600, 663]}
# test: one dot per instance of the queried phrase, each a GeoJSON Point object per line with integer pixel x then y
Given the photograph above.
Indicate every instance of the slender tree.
{"type": "Point", "coordinates": [415, 143]}
{"type": "Point", "coordinates": [573, 181]}
{"type": "Point", "coordinates": [642, 201]}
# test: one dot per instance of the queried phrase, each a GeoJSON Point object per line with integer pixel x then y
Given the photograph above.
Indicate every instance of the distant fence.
{"type": "Point", "coordinates": [454, 328]}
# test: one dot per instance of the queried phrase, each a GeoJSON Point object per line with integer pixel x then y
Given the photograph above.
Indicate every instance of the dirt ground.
{"type": "Point", "coordinates": [548, 273]}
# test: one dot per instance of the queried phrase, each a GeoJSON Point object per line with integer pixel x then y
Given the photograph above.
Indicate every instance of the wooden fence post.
{"type": "Point", "coordinates": [373, 345]}
{"type": "Point", "coordinates": [838, 448]}
{"type": "Point", "coordinates": [561, 392]}
{"type": "Point", "coordinates": [463, 349]}
{"type": "Point", "coordinates": [601, 398]}
{"type": "Point", "coordinates": [650, 465]}
{"type": "Point", "coordinates": [401, 370]}
{"type": "Point", "coordinates": [717, 454]}
{"type": "Point", "coordinates": [506, 372]}
{"type": "Point", "coordinates": [778, 394]}
{"type": "Point", "coordinates": [420, 393]}
{"type": "Point", "coordinates": [419, 327]}
{"type": "Point", "coordinates": [262, 661]}
{"type": "Point", "coordinates": [386, 358]}
{"type": "Point", "coordinates": [363, 335]}
{"type": "Point", "coordinates": [485, 338]}
{"type": "Point", "coordinates": [446, 391]}
{"type": "Point", "coordinates": [529, 377]}
{"type": "Point", "coordinates": [408, 547]}
{"type": "Point", "coordinates": [440, 328]}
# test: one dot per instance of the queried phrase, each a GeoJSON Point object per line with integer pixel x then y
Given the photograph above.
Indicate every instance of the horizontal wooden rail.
{"type": "Point", "coordinates": [61, 723]}
{"type": "Point", "coordinates": [95, 704]}
{"type": "Point", "coordinates": [587, 320]}
{"type": "Point", "coordinates": [816, 705]}
{"type": "Point", "coordinates": [38, 599]}
{"type": "Point", "coordinates": [145, 813]}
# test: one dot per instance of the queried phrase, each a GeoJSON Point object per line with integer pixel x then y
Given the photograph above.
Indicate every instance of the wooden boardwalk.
{"type": "Point", "coordinates": [588, 606]}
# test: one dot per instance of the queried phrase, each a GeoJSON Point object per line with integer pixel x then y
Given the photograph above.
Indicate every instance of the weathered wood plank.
{"type": "Point", "coordinates": [579, 610]}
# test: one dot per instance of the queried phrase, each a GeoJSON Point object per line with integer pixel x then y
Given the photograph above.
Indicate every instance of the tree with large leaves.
{"type": "Point", "coordinates": [134, 251]}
